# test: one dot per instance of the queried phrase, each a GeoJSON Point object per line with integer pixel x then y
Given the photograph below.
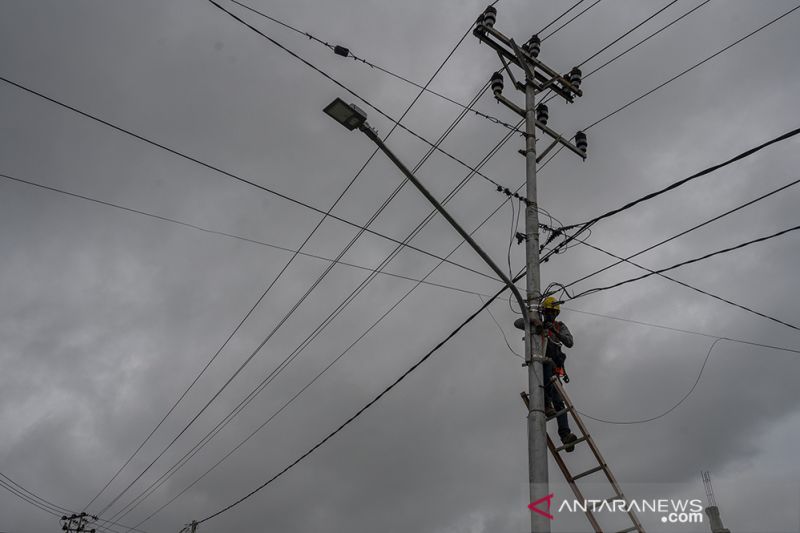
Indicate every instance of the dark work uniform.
{"type": "Point", "coordinates": [558, 335]}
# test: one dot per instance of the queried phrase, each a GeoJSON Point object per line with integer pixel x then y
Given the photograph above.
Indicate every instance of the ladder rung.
{"type": "Point", "coordinates": [633, 528]}
{"type": "Point", "coordinates": [590, 471]}
{"type": "Point", "coordinates": [573, 443]}
{"type": "Point", "coordinates": [561, 412]}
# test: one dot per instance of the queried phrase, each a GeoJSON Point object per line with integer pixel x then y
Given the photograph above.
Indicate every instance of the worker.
{"type": "Point", "coordinates": [557, 335]}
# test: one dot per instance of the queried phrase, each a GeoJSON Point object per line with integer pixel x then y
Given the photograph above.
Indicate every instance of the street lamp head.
{"type": "Point", "coordinates": [348, 115]}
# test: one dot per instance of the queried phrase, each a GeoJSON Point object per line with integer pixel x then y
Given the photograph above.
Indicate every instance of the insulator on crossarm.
{"type": "Point", "coordinates": [542, 113]}
{"type": "Point", "coordinates": [489, 17]}
{"type": "Point", "coordinates": [580, 142]}
{"type": "Point", "coordinates": [574, 77]}
{"type": "Point", "coordinates": [533, 46]}
{"type": "Point", "coordinates": [497, 84]}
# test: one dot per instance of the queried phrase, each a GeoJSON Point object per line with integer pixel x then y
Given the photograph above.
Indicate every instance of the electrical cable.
{"type": "Point", "coordinates": [747, 153]}
{"type": "Point", "coordinates": [668, 411]}
{"type": "Point", "coordinates": [307, 293]}
{"type": "Point", "coordinates": [52, 506]}
{"type": "Point", "coordinates": [224, 234]}
{"type": "Point", "coordinates": [349, 54]}
{"type": "Point", "coordinates": [562, 15]}
{"type": "Point", "coordinates": [690, 261]}
{"type": "Point", "coordinates": [222, 424]}
{"type": "Point", "coordinates": [339, 84]}
{"type": "Point", "coordinates": [680, 330]}
{"type": "Point", "coordinates": [225, 172]}
{"type": "Point", "coordinates": [360, 411]}
{"type": "Point", "coordinates": [684, 232]}
{"type": "Point", "coordinates": [712, 56]}
{"type": "Point", "coordinates": [618, 39]}
{"type": "Point", "coordinates": [569, 21]}
{"type": "Point", "coordinates": [41, 506]}
{"type": "Point", "coordinates": [320, 327]}
{"type": "Point", "coordinates": [502, 332]}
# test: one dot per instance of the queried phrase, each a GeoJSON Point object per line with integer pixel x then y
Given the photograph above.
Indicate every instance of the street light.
{"type": "Point", "coordinates": [348, 115]}
{"type": "Point", "coordinates": [351, 117]}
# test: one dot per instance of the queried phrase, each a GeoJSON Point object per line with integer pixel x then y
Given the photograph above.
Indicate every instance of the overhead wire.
{"type": "Point", "coordinates": [691, 261]}
{"type": "Point", "coordinates": [127, 508]}
{"type": "Point", "coordinates": [683, 330]}
{"type": "Point", "coordinates": [689, 230]}
{"type": "Point", "coordinates": [360, 411]}
{"type": "Point", "coordinates": [696, 65]}
{"type": "Point", "coordinates": [743, 155]}
{"type": "Point", "coordinates": [349, 54]}
{"type": "Point", "coordinates": [279, 474]}
{"type": "Point", "coordinates": [223, 233]}
{"type": "Point", "coordinates": [625, 34]}
{"type": "Point", "coordinates": [257, 390]}
{"type": "Point", "coordinates": [500, 187]}
{"type": "Point", "coordinates": [570, 21]}
{"type": "Point", "coordinates": [271, 376]}
{"type": "Point", "coordinates": [43, 505]}
{"type": "Point", "coordinates": [225, 172]}
{"type": "Point", "coordinates": [668, 411]}
{"type": "Point", "coordinates": [562, 15]}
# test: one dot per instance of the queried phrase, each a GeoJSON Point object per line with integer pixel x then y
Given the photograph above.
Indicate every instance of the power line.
{"type": "Point", "coordinates": [668, 411]}
{"type": "Point", "coordinates": [586, 225]}
{"type": "Point", "coordinates": [618, 39]}
{"type": "Point", "coordinates": [362, 410]}
{"type": "Point", "coordinates": [42, 505]}
{"type": "Point", "coordinates": [636, 45]}
{"type": "Point", "coordinates": [570, 20]}
{"type": "Point", "coordinates": [681, 330]}
{"type": "Point", "coordinates": [223, 233]}
{"type": "Point", "coordinates": [153, 486]}
{"type": "Point", "coordinates": [305, 295]}
{"type": "Point", "coordinates": [447, 154]}
{"type": "Point", "coordinates": [228, 174]}
{"type": "Point", "coordinates": [684, 232]}
{"type": "Point", "coordinates": [642, 41]}
{"type": "Point", "coordinates": [256, 391]}
{"type": "Point", "coordinates": [712, 56]}
{"type": "Point", "coordinates": [347, 52]}
{"type": "Point", "coordinates": [562, 15]}
{"type": "Point", "coordinates": [271, 376]}
{"type": "Point", "coordinates": [690, 261]}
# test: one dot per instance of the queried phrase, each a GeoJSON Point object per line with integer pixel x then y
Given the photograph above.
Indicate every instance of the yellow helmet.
{"type": "Point", "coordinates": [551, 303]}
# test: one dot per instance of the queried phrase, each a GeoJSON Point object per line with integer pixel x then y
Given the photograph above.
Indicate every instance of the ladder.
{"type": "Point", "coordinates": [584, 437]}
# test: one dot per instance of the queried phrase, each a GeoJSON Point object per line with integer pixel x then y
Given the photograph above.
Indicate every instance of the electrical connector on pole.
{"type": "Point", "coordinates": [78, 523]}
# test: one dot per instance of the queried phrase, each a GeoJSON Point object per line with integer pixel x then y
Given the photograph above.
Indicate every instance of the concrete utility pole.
{"type": "Point", "coordinates": [538, 77]}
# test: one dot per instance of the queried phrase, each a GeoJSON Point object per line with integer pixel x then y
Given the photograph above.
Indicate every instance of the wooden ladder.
{"type": "Point", "coordinates": [585, 437]}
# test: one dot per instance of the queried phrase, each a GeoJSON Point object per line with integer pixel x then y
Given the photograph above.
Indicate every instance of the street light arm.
{"type": "Point", "coordinates": [369, 132]}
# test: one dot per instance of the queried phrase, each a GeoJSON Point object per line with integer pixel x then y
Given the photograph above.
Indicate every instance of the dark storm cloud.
{"type": "Point", "coordinates": [108, 316]}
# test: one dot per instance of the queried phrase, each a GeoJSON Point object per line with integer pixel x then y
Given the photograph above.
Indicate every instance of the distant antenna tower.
{"type": "Point", "coordinates": [715, 521]}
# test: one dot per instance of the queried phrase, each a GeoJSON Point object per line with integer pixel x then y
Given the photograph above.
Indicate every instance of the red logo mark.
{"type": "Point", "coordinates": [534, 506]}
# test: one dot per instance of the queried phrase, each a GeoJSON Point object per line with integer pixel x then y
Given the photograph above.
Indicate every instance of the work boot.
{"type": "Point", "coordinates": [549, 410]}
{"type": "Point", "coordinates": [567, 439]}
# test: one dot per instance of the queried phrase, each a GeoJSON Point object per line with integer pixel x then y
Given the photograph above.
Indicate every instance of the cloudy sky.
{"type": "Point", "coordinates": [107, 315]}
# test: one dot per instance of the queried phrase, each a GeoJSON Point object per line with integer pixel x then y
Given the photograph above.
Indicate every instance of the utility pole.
{"type": "Point", "coordinates": [538, 78]}
{"type": "Point", "coordinates": [77, 523]}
